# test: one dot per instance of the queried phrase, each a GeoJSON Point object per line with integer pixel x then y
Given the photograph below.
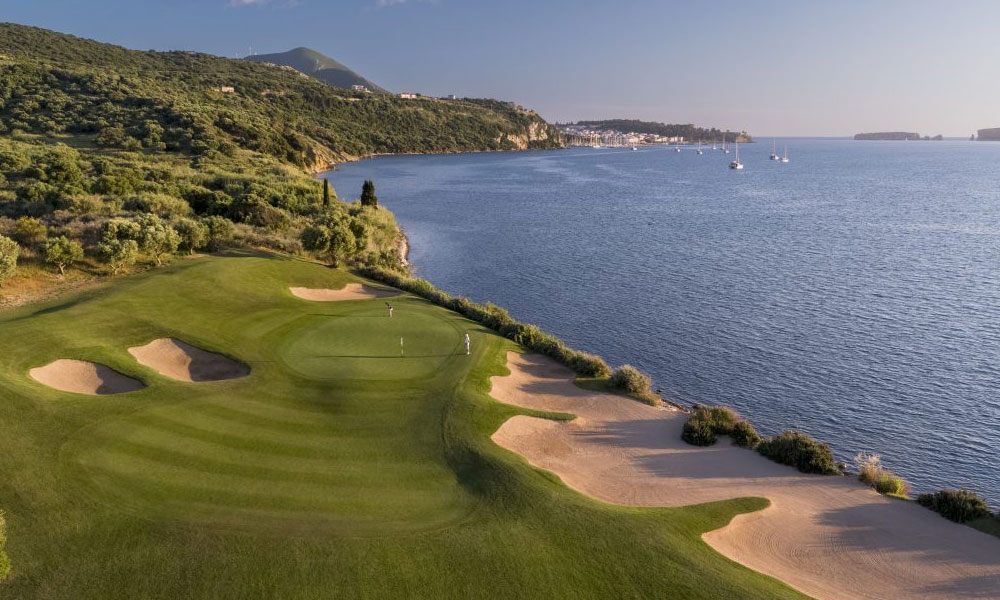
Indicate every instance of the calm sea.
{"type": "Point", "coordinates": [852, 293]}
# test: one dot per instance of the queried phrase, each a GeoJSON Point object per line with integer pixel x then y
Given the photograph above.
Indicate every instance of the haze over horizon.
{"type": "Point", "coordinates": [774, 68]}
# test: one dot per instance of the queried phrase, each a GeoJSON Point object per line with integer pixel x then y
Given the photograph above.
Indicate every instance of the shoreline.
{"type": "Point", "coordinates": [828, 536]}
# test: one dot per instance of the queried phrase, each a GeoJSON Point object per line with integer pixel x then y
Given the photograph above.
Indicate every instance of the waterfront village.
{"type": "Point", "coordinates": [579, 135]}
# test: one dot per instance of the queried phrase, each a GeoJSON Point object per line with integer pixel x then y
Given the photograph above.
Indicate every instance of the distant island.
{"type": "Point", "coordinates": [895, 136]}
{"type": "Point", "coordinates": [634, 131]}
{"type": "Point", "coordinates": [989, 135]}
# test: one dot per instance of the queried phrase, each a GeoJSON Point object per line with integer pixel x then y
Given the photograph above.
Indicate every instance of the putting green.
{"type": "Point", "coordinates": [335, 469]}
{"type": "Point", "coordinates": [370, 345]}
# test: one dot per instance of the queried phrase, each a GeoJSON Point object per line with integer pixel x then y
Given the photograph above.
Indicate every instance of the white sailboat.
{"type": "Point", "coordinates": [700, 151]}
{"type": "Point", "coordinates": [774, 150]}
{"type": "Point", "coordinates": [724, 149]}
{"type": "Point", "coordinates": [714, 147]}
{"type": "Point", "coordinates": [677, 147]}
{"type": "Point", "coordinates": [784, 158]}
{"type": "Point", "coordinates": [736, 164]}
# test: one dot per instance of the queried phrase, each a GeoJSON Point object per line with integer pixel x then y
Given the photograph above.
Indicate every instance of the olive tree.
{"type": "Point", "coordinates": [119, 254]}
{"type": "Point", "coordinates": [62, 252]}
{"type": "Point", "coordinates": [156, 238]}
{"type": "Point", "coordinates": [193, 234]}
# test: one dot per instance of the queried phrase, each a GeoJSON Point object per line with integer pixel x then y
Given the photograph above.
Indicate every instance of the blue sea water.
{"type": "Point", "coordinates": [853, 293]}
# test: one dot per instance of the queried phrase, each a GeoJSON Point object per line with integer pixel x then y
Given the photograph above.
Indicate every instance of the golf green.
{"type": "Point", "coordinates": [370, 345]}
{"type": "Point", "coordinates": [342, 466]}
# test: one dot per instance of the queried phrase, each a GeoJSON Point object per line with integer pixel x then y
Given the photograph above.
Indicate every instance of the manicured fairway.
{"type": "Point", "coordinates": [342, 466]}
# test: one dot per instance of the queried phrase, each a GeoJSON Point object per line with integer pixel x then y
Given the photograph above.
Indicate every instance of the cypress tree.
{"type": "Point", "coordinates": [326, 193]}
{"type": "Point", "coordinates": [368, 197]}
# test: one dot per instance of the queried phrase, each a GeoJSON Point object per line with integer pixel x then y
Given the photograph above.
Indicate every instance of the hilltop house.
{"type": "Point", "coordinates": [408, 96]}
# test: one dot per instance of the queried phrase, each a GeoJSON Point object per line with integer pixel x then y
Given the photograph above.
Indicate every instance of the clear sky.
{"type": "Point", "coordinates": [772, 67]}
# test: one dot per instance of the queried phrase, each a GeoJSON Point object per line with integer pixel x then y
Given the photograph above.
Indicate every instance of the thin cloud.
{"type": "Point", "coordinates": [388, 3]}
{"type": "Point", "coordinates": [240, 3]}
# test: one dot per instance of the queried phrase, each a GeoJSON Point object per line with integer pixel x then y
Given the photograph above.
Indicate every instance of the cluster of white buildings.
{"type": "Point", "coordinates": [577, 135]}
{"type": "Point", "coordinates": [403, 95]}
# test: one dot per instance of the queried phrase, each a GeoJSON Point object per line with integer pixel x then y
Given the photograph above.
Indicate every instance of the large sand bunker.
{"type": "Point", "coordinates": [180, 360]}
{"type": "Point", "coordinates": [82, 377]}
{"type": "Point", "coordinates": [827, 536]}
{"type": "Point", "coordinates": [351, 291]}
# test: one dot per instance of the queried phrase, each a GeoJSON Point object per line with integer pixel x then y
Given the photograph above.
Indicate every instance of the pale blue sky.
{"type": "Point", "coordinates": [773, 67]}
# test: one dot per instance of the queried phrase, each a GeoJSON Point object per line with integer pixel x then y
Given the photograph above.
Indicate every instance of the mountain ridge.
{"type": "Point", "coordinates": [318, 66]}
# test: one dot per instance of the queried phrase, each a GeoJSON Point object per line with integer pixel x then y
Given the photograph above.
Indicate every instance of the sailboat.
{"type": "Point", "coordinates": [677, 147]}
{"type": "Point", "coordinates": [700, 151]}
{"type": "Point", "coordinates": [714, 147]}
{"type": "Point", "coordinates": [736, 164]}
{"type": "Point", "coordinates": [774, 150]}
{"type": "Point", "coordinates": [784, 158]}
{"type": "Point", "coordinates": [724, 149]}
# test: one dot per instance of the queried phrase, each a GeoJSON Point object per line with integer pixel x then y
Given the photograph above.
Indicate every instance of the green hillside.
{"type": "Point", "coordinates": [337, 469]}
{"type": "Point", "coordinates": [319, 66]}
{"type": "Point", "coordinates": [205, 152]}
{"type": "Point", "coordinates": [52, 83]}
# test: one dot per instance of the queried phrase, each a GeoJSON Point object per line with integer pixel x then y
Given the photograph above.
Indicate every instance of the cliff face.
{"type": "Point", "coordinates": [320, 158]}
{"type": "Point", "coordinates": [989, 135]}
{"type": "Point", "coordinates": [538, 134]}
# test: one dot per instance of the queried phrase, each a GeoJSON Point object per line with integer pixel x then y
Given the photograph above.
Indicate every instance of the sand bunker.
{"type": "Point", "coordinates": [180, 360]}
{"type": "Point", "coordinates": [351, 291]}
{"type": "Point", "coordinates": [82, 377]}
{"type": "Point", "coordinates": [830, 537]}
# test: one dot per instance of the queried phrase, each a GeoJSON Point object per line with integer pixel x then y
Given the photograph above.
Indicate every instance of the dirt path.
{"type": "Point", "coordinates": [827, 536]}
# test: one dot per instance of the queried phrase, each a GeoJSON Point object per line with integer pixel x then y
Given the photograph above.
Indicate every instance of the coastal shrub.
{"type": "Point", "coordinates": [315, 238]}
{"type": "Point", "coordinates": [882, 480]}
{"type": "Point", "coordinates": [698, 432]}
{"type": "Point", "coordinates": [708, 422]}
{"type": "Point", "coordinates": [158, 204]}
{"type": "Point", "coordinates": [744, 435]}
{"type": "Point", "coordinates": [960, 506]}
{"type": "Point", "coordinates": [29, 232]}
{"type": "Point", "coordinates": [721, 418]}
{"type": "Point", "coordinates": [496, 318]}
{"type": "Point", "coordinates": [220, 231]}
{"type": "Point", "coordinates": [62, 252]}
{"type": "Point", "coordinates": [797, 449]}
{"type": "Point", "coordinates": [629, 379]}
{"type": "Point", "coordinates": [586, 364]}
{"type": "Point", "coordinates": [9, 251]}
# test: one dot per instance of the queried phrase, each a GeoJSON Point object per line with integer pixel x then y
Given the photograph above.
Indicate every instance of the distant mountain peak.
{"type": "Point", "coordinates": [319, 66]}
